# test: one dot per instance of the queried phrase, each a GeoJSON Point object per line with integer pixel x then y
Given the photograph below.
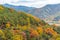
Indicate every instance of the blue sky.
{"type": "Point", "coordinates": [30, 3]}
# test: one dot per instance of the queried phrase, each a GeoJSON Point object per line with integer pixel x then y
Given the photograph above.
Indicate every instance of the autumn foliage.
{"type": "Point", "coordinates": [50, 31]}
{"type": "Point", "coordinates": [16, 25]}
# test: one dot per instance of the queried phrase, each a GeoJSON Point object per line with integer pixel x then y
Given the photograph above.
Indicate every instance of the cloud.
{"type": "Point", "coordinates": [30, 3]}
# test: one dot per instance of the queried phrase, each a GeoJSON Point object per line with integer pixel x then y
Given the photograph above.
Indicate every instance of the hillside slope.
{"type": "Point", "coordinates": [16, 25]}
{"type": "Point", "coordinates": [17, 17]}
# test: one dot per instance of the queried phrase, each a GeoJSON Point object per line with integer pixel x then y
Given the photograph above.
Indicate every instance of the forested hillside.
{"type": "Point", "coordinates": [17, 25]}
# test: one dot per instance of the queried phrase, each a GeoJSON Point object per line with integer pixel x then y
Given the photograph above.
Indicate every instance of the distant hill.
{"type": "Point", "coordinates": [57, 18]}
{"type": "Point", "coordinates": [19, 8]}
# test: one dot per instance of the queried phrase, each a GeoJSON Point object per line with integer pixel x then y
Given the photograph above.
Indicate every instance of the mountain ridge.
{"type": "Point", "coordinates": [46, 13]}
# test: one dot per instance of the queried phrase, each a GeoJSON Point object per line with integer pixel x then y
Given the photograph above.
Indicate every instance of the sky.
{"type": "Point", "coordinates": [30, 3]}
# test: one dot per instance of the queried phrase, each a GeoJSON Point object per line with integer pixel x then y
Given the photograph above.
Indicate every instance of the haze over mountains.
{"type": "Point", "coordinates": [48, 13]}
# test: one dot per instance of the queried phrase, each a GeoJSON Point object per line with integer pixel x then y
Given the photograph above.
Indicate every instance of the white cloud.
{"type": "Point", "coordinates": [30, 3]}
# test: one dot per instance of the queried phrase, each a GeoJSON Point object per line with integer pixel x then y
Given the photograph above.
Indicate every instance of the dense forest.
{"type": "Point", "coordinates": [17, 25]}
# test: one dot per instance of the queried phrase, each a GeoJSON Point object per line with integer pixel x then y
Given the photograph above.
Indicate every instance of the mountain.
{"type": "Point", "coordinates": [57, 18]}
{"type": "Point", "coordinates": [46, 13]}
{"type": "Point", "coordinates": [17, 25]}
{"type": "Point", "coordinates": [18, 17]}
